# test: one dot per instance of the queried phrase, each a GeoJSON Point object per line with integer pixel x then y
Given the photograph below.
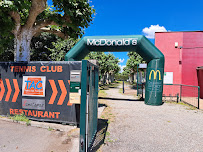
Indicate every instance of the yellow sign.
{"type": "Point", "coordinates": [75, 98]}
{"type": "Point", "coordinates": [155, 73]}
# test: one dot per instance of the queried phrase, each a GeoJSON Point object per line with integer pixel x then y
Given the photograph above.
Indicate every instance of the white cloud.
{"type": "Point", "coordinates": [150, 31]}
{"type": "Point", "coordinates": [122, 66]}
{"type": "Point", "coordinates": [121, 60]}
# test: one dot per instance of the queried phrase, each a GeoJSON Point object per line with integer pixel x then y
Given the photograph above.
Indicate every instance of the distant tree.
{"type": "Point", "coordinates": [131, 66]}
{"type": "Point", "coordinates": [121, 76]}
{"type": "Point", "coordinates": [22, 20]}
{"type": "Point", "coordinates": [108, 65]}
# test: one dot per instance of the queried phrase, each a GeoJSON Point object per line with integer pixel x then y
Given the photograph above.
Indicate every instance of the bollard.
{"type": "Point", "coordinates": [123, 87]}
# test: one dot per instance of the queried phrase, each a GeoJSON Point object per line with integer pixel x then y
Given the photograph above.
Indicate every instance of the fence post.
{"type": "Point", "coordinates": [198, 97]}
{"type": "Point", "coordinates": [142, 90]}
{"type": "Point", "coordinates": [123, 87]}
{"type": "Point", "coordinates": [180, 91]}
{"type": "Point", "coordinates": [137, 80]}
{"type": "Point", "coordinates": [177, 97]}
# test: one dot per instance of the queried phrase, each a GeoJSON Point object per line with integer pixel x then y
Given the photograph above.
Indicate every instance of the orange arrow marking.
{"type": "Point", "coordinates": [2, 89]}
{"type": "Point", "coordinates": [69, 104]}
{"type": "Point", "coordinates": [69, 82]}
{"type": "Point", "coordinates": [17, 90]}
{"type": "Point", "coordinates": [9, 90]}
{"type": "Point", "coordinates": [54, 89]}
{"type": "Point", "coordinates": [63, 92]}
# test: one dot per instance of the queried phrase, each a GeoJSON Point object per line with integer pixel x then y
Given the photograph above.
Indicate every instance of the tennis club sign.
{"type": "Point", "coordinates": [111, 42]}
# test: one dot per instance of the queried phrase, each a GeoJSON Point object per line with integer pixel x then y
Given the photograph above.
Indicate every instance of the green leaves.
{"type": "Point", "coordinates": [134, 60]}
{"type": "Point", "coordinates": [71, 17]}
{"type": "Point", "coordinates": [61, 47]}
{"type": "Point", "coordinates": [78, 11]}
{"type": "Point", "coordinates": [108, 63]}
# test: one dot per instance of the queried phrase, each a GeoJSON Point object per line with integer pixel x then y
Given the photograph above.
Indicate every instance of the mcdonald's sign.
{"type": "Point", "coordinates": [155, 74]}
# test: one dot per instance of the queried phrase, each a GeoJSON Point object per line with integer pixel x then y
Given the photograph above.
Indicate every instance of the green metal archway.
{"type": "Point", "coordinates": [137, 43]}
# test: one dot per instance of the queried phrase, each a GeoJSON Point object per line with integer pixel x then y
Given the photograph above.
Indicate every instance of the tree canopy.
{"type": "Point", "coordinates": [108, 63]}
{"type": "Point", "coordinates": [46, 47]}
{"type": "Point", "coordinates": [22, 20]}
{"type": "Point", "coordinates": [134, 60]}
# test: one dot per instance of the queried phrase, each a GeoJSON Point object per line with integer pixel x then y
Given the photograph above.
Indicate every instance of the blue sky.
{"type": "Point", "coordinates": [130, 17]}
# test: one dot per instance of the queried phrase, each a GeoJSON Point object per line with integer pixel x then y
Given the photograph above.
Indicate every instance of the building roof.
{"type": "Point", "coordinates": [177, 31]}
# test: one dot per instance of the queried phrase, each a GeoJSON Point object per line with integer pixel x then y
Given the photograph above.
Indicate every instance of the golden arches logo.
{"type": "Point", "coordinates": [155, 73]}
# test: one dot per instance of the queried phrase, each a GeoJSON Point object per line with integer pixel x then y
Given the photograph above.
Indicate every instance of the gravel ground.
{"type": "Point", "coordinates": [139, 127]}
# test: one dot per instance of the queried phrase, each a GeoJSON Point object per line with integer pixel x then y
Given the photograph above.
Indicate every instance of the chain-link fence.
{"type": "Point", "coordinates": [185, 93]}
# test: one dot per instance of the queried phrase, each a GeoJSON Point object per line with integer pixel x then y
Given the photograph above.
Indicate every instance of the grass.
{"type": "Point", "coordinates": [108, 115]}
{"type": "Point", "coordinates": [50, 129]}
{"type": "Point", "coordinates": [113, 85]}
{"type": "Point", "coordinates": [20, 117]}
{"type": "Point", "coordinates": [102, 93]}
{"type": "Point", "coordinates": [120, 90]}
{"type": "Point", "coordinates": [107, 86]}
{"type": "Point", "coordinates": [188, 107]}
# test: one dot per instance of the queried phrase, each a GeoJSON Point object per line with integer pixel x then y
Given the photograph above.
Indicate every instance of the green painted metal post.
{"type": "Point", "coordinates": [83, 107]}
{"type": "Point", "coordinates": [198, 97]}
{"type": "Point", "coordinates": [137, 81]}
{"type": "Point", "coordinates": [89, 105]}
{"type": "Point", "coordinates": [123, 87]}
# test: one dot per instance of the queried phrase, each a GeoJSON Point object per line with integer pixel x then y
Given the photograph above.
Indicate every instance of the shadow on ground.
{"type": "Point", "coordinates": [100, 136]}
{"type": "Point", "coordinates": [102, 105]}
{"type": "Point", "coordinates": [121, 99]}
{"type": "Point", "coordinates": [133, 87]}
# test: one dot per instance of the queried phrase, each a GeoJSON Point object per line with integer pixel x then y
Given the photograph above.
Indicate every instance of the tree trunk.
{"type": "Point", "coordinates": [22, 46]}
{"type": "Point", "coordinates": [112, 78]}
{"type": "Point", "coordinates": [104, 79]}
{"type": "Point", "coordinates": [131, 78]}
{"type": "Point", "coordinates": [135, 77]}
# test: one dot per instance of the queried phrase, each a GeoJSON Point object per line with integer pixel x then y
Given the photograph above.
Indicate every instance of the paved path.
{"type": "Point", "coordinates": [142, 128]}
{"type": "Point", "coordinates": [15, 137]}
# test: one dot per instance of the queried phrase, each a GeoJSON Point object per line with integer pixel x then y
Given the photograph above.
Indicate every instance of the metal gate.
{"type": "Point", "coordinates": [89, 105]}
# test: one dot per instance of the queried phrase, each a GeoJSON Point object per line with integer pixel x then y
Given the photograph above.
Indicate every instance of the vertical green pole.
{"type": "Point", "coordinates": [83, 140]}
{"type": "Point", "coordinates": [96, 94]}
{"type": "Point", "coordinates": [177, 97]}
{"type": "Point", "coordinates": [180, 92]}
{"type": "Point", "coordinates": [198, 97]}
{"type": "Point", "coordinates": [123, 87]}
{"type": "Point", "coordinates": [137, 79]}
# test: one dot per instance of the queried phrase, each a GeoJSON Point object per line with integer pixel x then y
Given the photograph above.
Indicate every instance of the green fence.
{"type": "Point", "coordinates": [185, 93]}
{"type": "Point", "coordinates": [89, 105]}
{"type": "Point", "coordinates": [177, 93]}
{"type": "Point", "coordinates": [141, 89]}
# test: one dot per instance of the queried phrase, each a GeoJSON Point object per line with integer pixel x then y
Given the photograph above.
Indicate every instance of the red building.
{"type": "Point", "coordinates": [183, 53]}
